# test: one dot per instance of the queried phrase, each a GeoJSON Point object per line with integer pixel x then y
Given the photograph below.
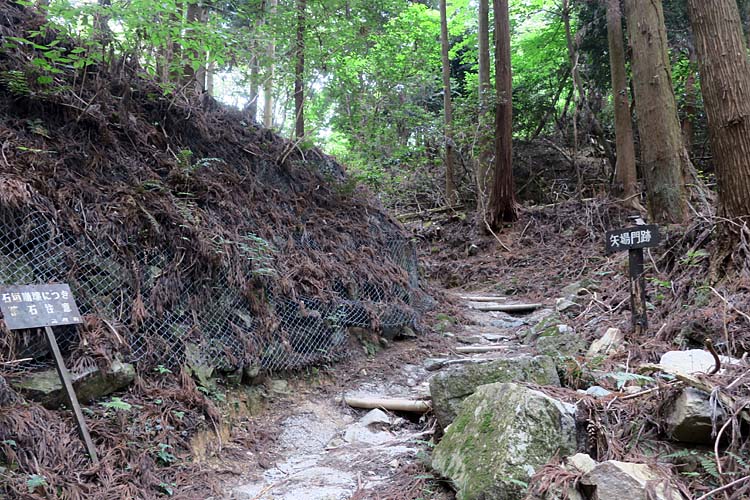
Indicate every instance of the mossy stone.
{"type": "Point", "coordinates": [449, 388]}
{"type": "Point", "coordinates": [502, 435]}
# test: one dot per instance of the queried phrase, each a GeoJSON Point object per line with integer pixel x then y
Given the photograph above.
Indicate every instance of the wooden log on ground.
{"type": "Point", "coordinates": [482, 298]}
{"type": "Point", "coordinates": [509, 308]}
{"type": "Point", "coordinates": [429, 211]}
{"type": "Point", "coordinates": [407, 405]}
{"type": "Point", "coordinates": [483, 348]}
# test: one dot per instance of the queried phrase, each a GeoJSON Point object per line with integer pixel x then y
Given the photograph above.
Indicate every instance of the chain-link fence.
{"type": "Point", "coordinates": [222, 333]}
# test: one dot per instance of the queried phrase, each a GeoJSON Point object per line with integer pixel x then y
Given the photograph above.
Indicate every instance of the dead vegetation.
{"type": "Point", "coordinates": [690, 301]}
{"type": "Point", "coordinates": [177, 197]}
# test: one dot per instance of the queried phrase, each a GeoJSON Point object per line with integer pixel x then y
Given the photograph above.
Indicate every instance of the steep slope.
{"type": "Point", "coordinates": [194, 232]}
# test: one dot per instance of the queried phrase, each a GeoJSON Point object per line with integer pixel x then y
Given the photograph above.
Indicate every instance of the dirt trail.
{"type": "Point", "coordinates": [328, 451]}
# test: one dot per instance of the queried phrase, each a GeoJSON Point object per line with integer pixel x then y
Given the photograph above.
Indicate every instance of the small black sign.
{"type": "Point", "coordinates": [644, 236]}
{"type": "Point", "coordinates": [35, 306]}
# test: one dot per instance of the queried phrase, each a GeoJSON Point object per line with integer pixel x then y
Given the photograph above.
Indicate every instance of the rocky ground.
{"type": "Point", "coordinates": [526, 382]}
{"type": "Point", "coordinates": [538, 388]}
{"type": "Point", "coordinates": [328, 450]}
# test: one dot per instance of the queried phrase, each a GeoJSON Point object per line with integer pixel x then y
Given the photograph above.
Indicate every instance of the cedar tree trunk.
{"type": "Point", "coordinates": [450, 186]}
{"type": "Point", "coordinates": [485, 129]}
{"type": "Point", "coordinates": [502, 198]}
{"type": "Point", "coordinates": [625, 167]}
{"type": "Point", "coordinates": [299, 72]}
{"type": "Point", "coordinates": [725, 83]}
{"type": "Point", "coordinates": [664, 159]}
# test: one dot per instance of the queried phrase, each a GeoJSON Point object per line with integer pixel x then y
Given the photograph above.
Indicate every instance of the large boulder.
{"type": "Point", "coordinates": [693, 361]}
{"type": "Point", "coordinates": [613, 480]}
{"type": "Point", "coordinates": [502, 435]}
{"type": "Point", "coordinates": [561, 344]}
{"type": "Point", "coordinates": [44, 387]}
{"type": "Point", "coordinates": [689, 417]}
{"type": "Point", "coordinates": [449, 388]}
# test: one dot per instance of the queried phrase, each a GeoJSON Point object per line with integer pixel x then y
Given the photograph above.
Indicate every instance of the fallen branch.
{"type": "Point", "coordinates": [16, 361]}
{"type": "Point", "coordinates": [722, 488]}
{"type": "Point", "coordinates": [482, 299]}
{"type": "Point", "coordinates": [429, 211]}
{"type": "Point", "coordinates": [408, 405]}
{"type": "Point", "coordinates": [697, 383]}
{"type": "Point", "coordinates": [507, 307]}
{"type": "Point", "coordinates": [477, 349]}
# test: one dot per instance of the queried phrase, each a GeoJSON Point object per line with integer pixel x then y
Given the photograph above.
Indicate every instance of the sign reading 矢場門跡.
{"type": "Point", "coordinates": [35, 306]}
{"type": "Point", "coordinates": [630, 238]}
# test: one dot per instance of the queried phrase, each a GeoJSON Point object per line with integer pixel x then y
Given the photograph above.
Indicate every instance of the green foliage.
{"type": "Point", "coordinates": [117, 404]}
{"type": "Point", "coordinates": [661, 287]}
{"type": "Point", "coordinates": [167, 488]}
{"type": "Point", "coordinates": [251, 247]}
{"type": "Point", "coordinates": [161, 369]}
{"type": "Point", "coordinates": [693, 258]}
{"type": "Point", "coordinates": [16, 82]}
{"type": "Point", "coordinates": [163, 455]}
{"type": "Point", "coordinates": [35, 481]}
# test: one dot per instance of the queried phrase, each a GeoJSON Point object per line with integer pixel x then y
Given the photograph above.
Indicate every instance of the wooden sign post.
{"type": "Point", "coordinates": [45, 306]}
{"type": "Point", "coordinates": [634, 240]}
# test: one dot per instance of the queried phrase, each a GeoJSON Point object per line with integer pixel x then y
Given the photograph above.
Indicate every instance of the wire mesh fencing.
{"type": "Point", "coordinates": [222, 333]}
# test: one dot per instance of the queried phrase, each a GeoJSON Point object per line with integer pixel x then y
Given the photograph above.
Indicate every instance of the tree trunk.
{"type": "Point", "coordinates": [502, 198]}
{"type": "Point", "coordinates": [299, 72]}
{"type": "Point", "coordinates": [725, 84]}
{"type": "Point", "coordinates": [253, 93]}
{"type": "Point", "coordinates": [663, 156]}
{"type": "Point", "coordinates": [210, 78]}
{"type": "Point", "coordinates": [688, 120]}
{"type": "Point", "coordinates": [625, 167]}
{"type": "Point", "coordinates": [582, 103]}
{"type": "Point", "coordinates": [577, 93]}
{"type": "Point", "coordinates": [450, 186]}
{"type": "Point", "coordinates": [194, 77]}
{"type": "Point", "coordinates": [268, 83]}
{"type": "Point", "coordinates": [485, 129]}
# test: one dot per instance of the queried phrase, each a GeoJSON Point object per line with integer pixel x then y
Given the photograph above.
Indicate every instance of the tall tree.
{"type": "Point", "coordinates": [625, 167]}
{"type": "Point", "coordinates": [194, 72]}
{"type": "Point", "coordinates": [268, 83]}
{"type": "Point", "coordinates": [485, 129]}
{"type": "Point", "coordinates": [690, 102]}
{"type": "Point", "coordinates": [664, 159]}
{"type": "Point", "coordinates": [299, 72]}
{"type": "Point", "coordinates": [253, 84]}
{"type": "Point", "coordinates": [583, 106]}
{"type": "Point", "coordinates": [450, 186]}
{"type": "Point", "coordinates": [725, 84]}
{"type": "Point", "coordinates": [502, 199]}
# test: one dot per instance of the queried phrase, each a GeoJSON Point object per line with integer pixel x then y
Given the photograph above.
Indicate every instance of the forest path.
{"type": "Point", "coordinates": [326, 450]}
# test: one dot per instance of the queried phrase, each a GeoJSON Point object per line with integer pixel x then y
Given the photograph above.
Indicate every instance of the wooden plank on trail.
{"type": "Point", "coordinates": [509, 308]}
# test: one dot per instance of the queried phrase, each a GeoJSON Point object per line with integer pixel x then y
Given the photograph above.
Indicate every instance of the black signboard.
{"type": "Point", "coordinates": [630, 238]}
{"type": "Point", "coordinates": [35, 306]}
